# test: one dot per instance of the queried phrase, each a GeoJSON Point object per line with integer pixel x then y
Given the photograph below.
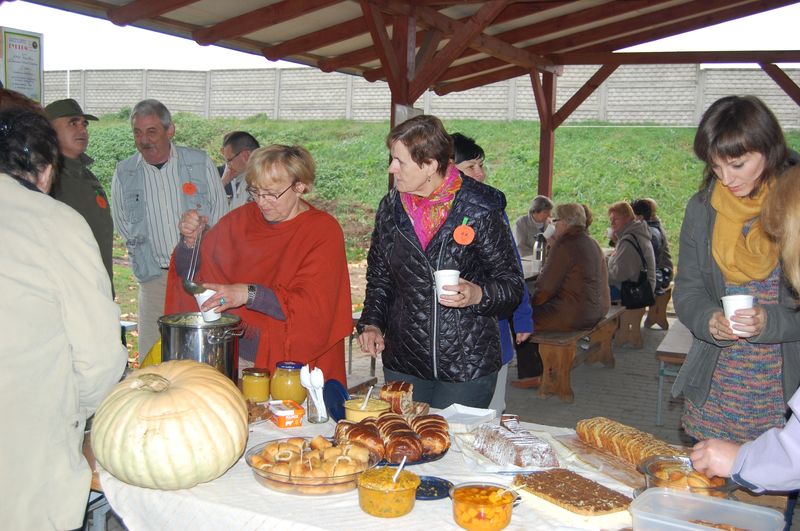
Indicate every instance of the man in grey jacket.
{"type": "Point", "coordinates": [150, 190]}
{"type": "Point", "coordinates": [624, 264]}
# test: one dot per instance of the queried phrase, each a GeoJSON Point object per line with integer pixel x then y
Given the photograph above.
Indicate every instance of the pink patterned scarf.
{"type": "Point", "coordinates": [429, 213]}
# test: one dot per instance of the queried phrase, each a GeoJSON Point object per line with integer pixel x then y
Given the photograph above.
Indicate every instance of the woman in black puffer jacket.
{"type": "Point", "coordinates": [449, 347]}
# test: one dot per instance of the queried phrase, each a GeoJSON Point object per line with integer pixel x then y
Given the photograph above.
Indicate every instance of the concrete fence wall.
{"type": "Point", "coordinates": [658, 94]}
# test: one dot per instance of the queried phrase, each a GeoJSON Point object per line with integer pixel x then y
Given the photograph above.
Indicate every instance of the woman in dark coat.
{"type": "Point", "coordinates": [447, 347]}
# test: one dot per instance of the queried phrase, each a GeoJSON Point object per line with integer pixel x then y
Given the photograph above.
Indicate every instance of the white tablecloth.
{"type": "Point", "coordinates": [236, 501]}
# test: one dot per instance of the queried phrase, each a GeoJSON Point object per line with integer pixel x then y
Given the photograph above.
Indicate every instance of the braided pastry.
{"type": "Point", "coordinates": [626, 442]}
{"type": "Point", "coordinates": [432, 431]}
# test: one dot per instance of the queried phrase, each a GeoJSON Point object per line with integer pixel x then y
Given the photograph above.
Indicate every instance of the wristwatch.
{"type": "Point", "coordinates": [251, 294]}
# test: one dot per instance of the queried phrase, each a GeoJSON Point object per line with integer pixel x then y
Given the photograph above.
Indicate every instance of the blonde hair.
{"type": "Point", "coordinates": [622, 208]}
{"type": "Point", "coordinates": [573, 214]}
{"type": "Point", "coordinates": [780, 217]}
{"type": "Point", "coordinates": [272, 164]}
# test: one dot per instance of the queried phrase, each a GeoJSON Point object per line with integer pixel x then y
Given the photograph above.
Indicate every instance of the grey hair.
{"type": "Point", "coordinates": [572, 213]}
{"type": "Point", "coordinates": [540, 204]}
{"type": "Point", "coordinates": [152, 108]}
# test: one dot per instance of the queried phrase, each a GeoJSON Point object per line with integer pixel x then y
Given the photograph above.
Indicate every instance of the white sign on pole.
{"type": "Point", "coordinates": [21, 67]}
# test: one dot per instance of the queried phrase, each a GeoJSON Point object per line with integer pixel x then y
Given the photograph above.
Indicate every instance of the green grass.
{"type": "Point", "coordinates": [595, 165]}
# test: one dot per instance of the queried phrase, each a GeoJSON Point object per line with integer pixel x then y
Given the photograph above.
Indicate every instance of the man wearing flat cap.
{"type": "Point", "coordinates": [76, 185]}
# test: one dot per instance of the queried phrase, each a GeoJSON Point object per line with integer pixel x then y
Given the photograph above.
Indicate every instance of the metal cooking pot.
{"type": "Point", "coordinates": [186, 336]}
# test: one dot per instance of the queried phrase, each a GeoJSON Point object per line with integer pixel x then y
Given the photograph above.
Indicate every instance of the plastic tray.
{"type": "Point", "coordinates": [658, 509]}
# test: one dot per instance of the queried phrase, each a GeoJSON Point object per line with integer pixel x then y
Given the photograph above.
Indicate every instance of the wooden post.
{"type": "Point", "coordinates": [545, 92]}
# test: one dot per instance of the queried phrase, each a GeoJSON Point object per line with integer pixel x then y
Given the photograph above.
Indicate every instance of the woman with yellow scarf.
{"type": "Point", "coordinates": [739, 373]}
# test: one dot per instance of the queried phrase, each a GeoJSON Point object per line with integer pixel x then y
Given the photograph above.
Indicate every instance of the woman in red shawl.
{"type": "Point", "coordinates": [278, 263]}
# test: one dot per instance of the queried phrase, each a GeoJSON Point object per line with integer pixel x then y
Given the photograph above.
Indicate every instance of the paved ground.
{"type": "Point", "coordinates": [627, 393]}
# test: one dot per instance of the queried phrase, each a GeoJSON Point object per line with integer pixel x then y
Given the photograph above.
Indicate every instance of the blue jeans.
{"type": "Point", "coordinates": [474, 393]}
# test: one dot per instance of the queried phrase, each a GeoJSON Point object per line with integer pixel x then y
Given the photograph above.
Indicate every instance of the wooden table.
{"type": "Point", "coordinates": [671, 354]}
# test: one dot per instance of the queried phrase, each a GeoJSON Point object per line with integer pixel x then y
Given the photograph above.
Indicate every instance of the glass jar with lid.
{"type": "Point", "coordinates": [286, 384]}
{"type": "Point", "coordinates": [255, 384]}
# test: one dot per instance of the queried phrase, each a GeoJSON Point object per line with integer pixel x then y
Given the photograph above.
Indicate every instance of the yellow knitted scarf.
{"type": "Point", "coordinates": [741, 258]}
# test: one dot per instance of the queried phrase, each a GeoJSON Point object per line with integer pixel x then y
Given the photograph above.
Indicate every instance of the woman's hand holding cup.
{"type": "Point", "coordinates": [459, 295]}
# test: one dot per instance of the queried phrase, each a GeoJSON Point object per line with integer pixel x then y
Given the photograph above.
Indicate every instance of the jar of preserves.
{"type": "Point", "coordinates": [255, 384]}
{"type": "Point", "coordinates": [286, 382]}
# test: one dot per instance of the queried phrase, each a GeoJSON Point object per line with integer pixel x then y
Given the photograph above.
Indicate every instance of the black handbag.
{"type": "Point", "coordinates": [638, 293]}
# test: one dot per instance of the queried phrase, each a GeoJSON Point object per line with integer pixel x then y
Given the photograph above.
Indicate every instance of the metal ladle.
{"type": "Point", "coordinates": [189, 284]}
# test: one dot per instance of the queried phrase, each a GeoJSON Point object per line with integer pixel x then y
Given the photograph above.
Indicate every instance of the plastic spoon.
{"type": "Point", "coordinates": [305, 377]}
{"type": "Point", "coordinates": [366, 398]}
{"type": "Point", "coordinates": [399, 469]}
{"type": "Point", "coordinates": [317, 383]}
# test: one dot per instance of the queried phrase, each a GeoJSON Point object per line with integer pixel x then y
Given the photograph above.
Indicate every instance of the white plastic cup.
{"type": "Point", "coordinates": [446, 277]}
{"type": "Point", "coordinates": [609, 233]}
{"type": "Point", "coordinates": [208, 315]}
{"type": "Point", "coordinates": [731, 303]}
{"type": "Point", "coordinates": [536, 266]}
{"type": "Point", "coordinates": [550, 231]}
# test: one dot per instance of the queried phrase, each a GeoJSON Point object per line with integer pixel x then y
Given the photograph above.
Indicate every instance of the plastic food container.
{"type": "Point", "coordinates": [286, 413]}
{"type": "Point", "coordinates": [379, 496]}
{"type": "Point", "coordinates": [282, 480]}
{"type": "Point", "coordinates": [482, 506]}
{"type": "Point", "coordinates": [666, 509]}
{"type": "Point", "coordinates": [353, 411]}
{"type": "Point", "coordinates": [676, 472]}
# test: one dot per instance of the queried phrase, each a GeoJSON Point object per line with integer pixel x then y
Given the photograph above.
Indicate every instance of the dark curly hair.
{"type": "Point", "coordinates": [28, 144]}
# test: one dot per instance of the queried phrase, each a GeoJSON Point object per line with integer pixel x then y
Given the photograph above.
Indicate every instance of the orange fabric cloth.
{"type": "Point", "coordinates": [303, 261]}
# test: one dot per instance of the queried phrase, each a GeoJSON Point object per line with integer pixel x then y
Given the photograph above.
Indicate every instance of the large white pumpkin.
{"type": "Point", "coordinates": [171, 426]}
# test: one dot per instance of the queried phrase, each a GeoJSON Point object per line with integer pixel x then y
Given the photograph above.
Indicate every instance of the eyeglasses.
{"type": "Point", "coordinates": [228, 161]}
{"type": "Point", "coordinates": [256, 195]}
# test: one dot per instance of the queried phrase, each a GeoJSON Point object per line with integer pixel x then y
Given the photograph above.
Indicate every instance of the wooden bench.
{"type": "Point", "coordinates": [657, 313]}
{"type": "Point", "coordinates": [558, 352]}
{"type": "Point", "coordinates": [671, 353]}
{"type": "Point", "coordinates": [630, 328]}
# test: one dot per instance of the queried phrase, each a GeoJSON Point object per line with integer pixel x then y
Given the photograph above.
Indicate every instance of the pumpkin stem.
{"type": "Point", "coordinates": [150, 382]}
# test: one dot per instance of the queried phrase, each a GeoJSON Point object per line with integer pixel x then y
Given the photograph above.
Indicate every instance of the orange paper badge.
{"type": "Point", "coordinates": [189, 188]}
{"type": "Point", "coordinates": [101, 201]}
{"type": "Point", "coordinates": [464, 234]}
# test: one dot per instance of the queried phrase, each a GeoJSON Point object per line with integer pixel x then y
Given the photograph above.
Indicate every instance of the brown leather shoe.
{"type": "Point", "coordinates": [527, 383]}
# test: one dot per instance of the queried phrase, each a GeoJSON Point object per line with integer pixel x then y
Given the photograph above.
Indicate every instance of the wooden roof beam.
{"type": "Point", "coordinates": [384, 47]}
{"type": "Point", "coordinates": [577, 19]}
{"type": "Point", "coordinates": [640, 24]}
{"type": "Point", "coordinates": [566, 21]}
{"type": "Point", "coordinates": [490, 45]}
{"type": "Point", "coordinates": [485, 43]}
{"type": "Point", "coordinates": [478, 81]}
{"type": "Point", "coordinates": [318, 39]}
{"type": "Point", "coordinates": [428, 47]}
{"type": "Point", "coordinates": [582, 93]}
{"type": "Point", "coordinates": [258, 19]}
{"type": "Point", "coordinates": [660, 58]}
{"type": "Point", "coordinates": [783, 81]}
{"type": "Point", "coordinates": [469, 31]}
{"type": "Point", "coordinates": [142, 9]}
{"type": "Point", "coordinates": [368, 54]}
{"type": "Point", "coordinates": [688, 24]}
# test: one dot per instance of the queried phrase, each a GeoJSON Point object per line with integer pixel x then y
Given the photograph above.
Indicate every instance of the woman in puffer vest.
{"type": "Point", "coordinates": [448, 347]}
